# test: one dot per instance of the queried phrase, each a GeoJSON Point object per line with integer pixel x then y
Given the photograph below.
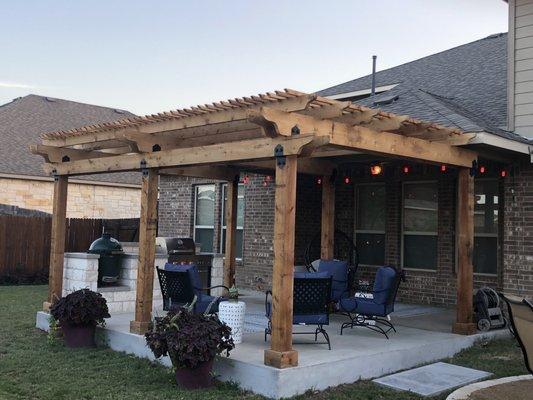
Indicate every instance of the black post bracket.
{"type": "Point", "coordinates": [144, 169]}
{"type": "Point", "coordinates": [281, 159]}
{"type": "Point", "coordinates": [473, 170]}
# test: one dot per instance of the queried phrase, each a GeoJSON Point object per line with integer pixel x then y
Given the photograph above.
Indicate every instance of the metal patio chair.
{"type": "Point", "coordinates": [521, 318]}
{"type": "Point", "coordinates": [180, 283]}
{"type": "Point", "coordinates": [311, 298]}
{"type": "Point", "coordinates": [372, 311]}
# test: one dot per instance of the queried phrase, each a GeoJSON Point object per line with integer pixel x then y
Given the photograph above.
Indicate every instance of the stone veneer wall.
{"type": "Point", "coordinates": [84, 200]}
{"type": "Point", "coordinates": [81, 271]}
{"type": "Point", "coordinates": [515, 271]}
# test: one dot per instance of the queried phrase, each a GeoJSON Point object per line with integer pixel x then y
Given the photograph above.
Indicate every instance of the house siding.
{"type": "Point", "coordinates": [520, 67]}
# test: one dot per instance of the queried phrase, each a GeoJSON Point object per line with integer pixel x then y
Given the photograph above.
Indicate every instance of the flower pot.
{"type": "Point", "coordinates": [197, 378]}
{"type": "Point", "coordinates": [79, 336]}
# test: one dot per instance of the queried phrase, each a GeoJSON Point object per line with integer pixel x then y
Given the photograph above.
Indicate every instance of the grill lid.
{"type": "Point", "coordinates": [105, 245]}
{"type": "Point", "coordinates": [172, 245]}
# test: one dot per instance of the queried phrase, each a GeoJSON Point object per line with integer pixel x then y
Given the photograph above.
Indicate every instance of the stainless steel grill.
{"type": "Point", "coordinates": [183, 251]}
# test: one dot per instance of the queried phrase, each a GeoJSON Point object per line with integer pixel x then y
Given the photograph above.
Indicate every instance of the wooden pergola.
{"type": "Point", "coordinates": [288, 132]}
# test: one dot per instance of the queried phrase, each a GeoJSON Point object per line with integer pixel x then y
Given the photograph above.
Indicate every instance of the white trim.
{"type": "Point", "coordinates": [222, 213]}
{"type": "Point", "coordinates": [491, 139]}
{"type": "Point", "coordinates": [194, 226]}
{"type": "Point", "coordinates": [379, 89]}
{"type": "Point", "coordinates": [77, 181]}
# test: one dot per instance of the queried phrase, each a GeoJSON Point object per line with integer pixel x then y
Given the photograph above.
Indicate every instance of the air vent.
{"type": "Point", "coordinates": [386, 100]}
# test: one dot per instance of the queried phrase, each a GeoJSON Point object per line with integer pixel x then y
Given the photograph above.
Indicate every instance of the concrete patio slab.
{"type": "Point", "coordinates": [433, 379]}
{"type": "Point", "coordinates": [358, 354]}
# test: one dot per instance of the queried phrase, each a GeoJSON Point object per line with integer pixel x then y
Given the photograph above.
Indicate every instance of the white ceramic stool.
{"type": "Point", "coordinates": [232, 313]}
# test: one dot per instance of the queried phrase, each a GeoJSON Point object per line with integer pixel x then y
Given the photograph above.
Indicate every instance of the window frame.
{"type": "Point", "coordinates": [368, 231]}
{"type": "Point", "coordinates": [195, 226]}
{"type": "Point", "coordinates": [417, 233]}
{"type": "Point", "coordinates": [496, 235]}
{"type": "Point", "coordinates": [222, 217]}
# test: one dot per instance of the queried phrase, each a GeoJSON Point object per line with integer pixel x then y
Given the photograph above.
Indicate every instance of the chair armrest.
{"type": "Point", "coordinates": [267, 293]}
{"type": "Point", "coordinates": [212, 287]}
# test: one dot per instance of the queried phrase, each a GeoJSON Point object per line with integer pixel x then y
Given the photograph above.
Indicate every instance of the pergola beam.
{"type": "Point", "coordinates": [254, 149]}
{"type": "Point", "coordinates": [365, 139]}
{"type": "Point", "coordinates": [53, 154]}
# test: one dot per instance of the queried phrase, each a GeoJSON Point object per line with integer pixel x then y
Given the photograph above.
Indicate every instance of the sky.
{"type": "Point", "coordinates": [151, 56]}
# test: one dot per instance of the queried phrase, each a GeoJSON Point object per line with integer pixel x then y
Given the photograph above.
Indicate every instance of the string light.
{"type": "Point", "coordinates": [443, 168]}
{"type": "Point", "coordinates": [347, 180]}
{"type": "Point", "coordinates": [503, 173]}
{"type": "Point", "coordinates": [319, 181]}
{"type": "Point", "coordinates": [375, 169]}
{"type": "Point", "coordinates": [482, 169]}
{"type": "Point", "coordinates": [405, 169]}
{"type": "Point", "coordinates": [246, 179]}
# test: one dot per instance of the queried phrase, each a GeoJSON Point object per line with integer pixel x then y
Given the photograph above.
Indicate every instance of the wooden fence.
{"type": "Point", "coordinates": [25, 242]}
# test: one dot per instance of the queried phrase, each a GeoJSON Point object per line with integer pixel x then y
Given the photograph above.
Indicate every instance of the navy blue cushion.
{"type": "Point", "coordinates": [311, 275]}
{"type": "Point", "coordinates": [384, 284]}
{"type": "Point", "coordinates": [365, 307]}
{"type": "Point", "coordinates": [310, 319]}
{"type": "Point", "coordinates": [338, 270]}
{"type": "Point", "coordinates": [201, 305]}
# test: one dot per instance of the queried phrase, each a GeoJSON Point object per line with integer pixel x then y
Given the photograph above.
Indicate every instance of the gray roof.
{"type": "Point", "coordinates": [464, 87]}
{"type": "Point", "coordinates": [25, 118]}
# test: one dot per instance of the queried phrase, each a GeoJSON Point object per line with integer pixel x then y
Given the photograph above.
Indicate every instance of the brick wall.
{"type": "Point", "coordinates": [518, 231]}
{"type": "Point", "coordinates": [84, 201]}
{"type": "Point", "coordinates": [429, 287]}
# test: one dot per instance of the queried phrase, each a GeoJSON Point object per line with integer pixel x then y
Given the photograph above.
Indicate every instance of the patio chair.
{"type": "Point", "coordinates": [180, 283]}
{"type": "Point", "coordinates": [372, 311]}
{"type": "Point", "coordinates": [521, 316]}
{"type": "Point", "coordinates": [311, 298]}
{"type": "Point", "coordinates": [342, 268]}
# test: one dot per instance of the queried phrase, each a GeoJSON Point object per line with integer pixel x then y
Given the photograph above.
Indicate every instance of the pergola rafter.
{"type": "Point", "coordinates": [284, 133]}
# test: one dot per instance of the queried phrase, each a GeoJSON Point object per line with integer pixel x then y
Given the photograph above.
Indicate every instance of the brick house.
{"type": "Point", "coordinates": [405, 215]}
{"type": "Point", "coordinates": [25, 185]}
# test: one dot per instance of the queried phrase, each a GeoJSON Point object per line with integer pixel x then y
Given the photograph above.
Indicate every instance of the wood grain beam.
{"type": "Point", "coordinates": [365, 139]}
{"type": "Point", "coordinates": [218, 172]}
{"type": "Point", "coordinates": [58, 154]}
{"type": "Point", "coordinates": [232, 190]}
{"type": "Point", "coordinates": [254, 149]}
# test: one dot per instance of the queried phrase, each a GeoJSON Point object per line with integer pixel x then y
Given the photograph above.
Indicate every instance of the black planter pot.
{"type": "Point", "coordinates": [197, 378]}
{"type": "Point", "coordinates": [79, 336]}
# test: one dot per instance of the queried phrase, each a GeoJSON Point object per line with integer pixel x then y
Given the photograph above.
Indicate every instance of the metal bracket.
{"type": "Point", "coordinates": [295, 130]}
{"type": "Point", "coordinates": [473, 170]}
{"type": "Point", "coordinates": [144, 169]}
{"type": "Point", "coordinates": [530, 154]}
{"type": "Point", "coordinates": [281, 159]}
{"type": "Point", "coordinates": [55, 175]}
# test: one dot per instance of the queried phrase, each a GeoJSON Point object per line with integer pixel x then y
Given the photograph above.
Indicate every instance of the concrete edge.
{"type": "Point", "coordinates": [464, 392]}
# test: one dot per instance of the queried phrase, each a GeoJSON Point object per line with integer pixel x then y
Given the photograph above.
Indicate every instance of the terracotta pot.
{"type": "Point", "coordinates": [197, 378]}
{"type": "Point", "coordinates": [79, 336]}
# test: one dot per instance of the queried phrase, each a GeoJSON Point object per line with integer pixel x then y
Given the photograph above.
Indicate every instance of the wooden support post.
{"type": "Point", "coordinates": [146, 260]}
{"type": "Point", "coordinates": [328, 218]}
{"type": "Point", "coordinates": [465, 248]}
{"type": "Point", "coordinates": [281, 353]}
{"type": "Point", "coordinates": [57, 244]}
{"type": "Point", "coordinates": [232, 190]}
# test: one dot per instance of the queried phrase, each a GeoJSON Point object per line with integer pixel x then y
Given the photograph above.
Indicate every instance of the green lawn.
{"type": "Point", "coordinates": [32, 368]}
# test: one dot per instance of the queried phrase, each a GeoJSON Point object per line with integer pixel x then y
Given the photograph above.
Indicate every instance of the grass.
{"type": "Point", "coordinates": [33, 368]}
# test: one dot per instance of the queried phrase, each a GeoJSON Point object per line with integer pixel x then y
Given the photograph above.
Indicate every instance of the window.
{"type": "Point", "coordinates": [204, 217]}
{"type": "Point", "coordinates": [240, 221]}
{"type": "Point", "coordinates": [419, 231]}
{"type": "Point", "coordinates": [486, 226]}
{"type": "Point", "coordinates": [370, 223]}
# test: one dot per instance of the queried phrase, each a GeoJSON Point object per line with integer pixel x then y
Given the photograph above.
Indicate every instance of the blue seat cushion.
{"type": "Point", "coordinates": [202, 305]}
{"type": "Point", "coordinates": [384, 284]}
{"type": "Point", "coordinates": [365, 306]}
{"type": "Point", "coordinates": [311, 275]}
{"type": "Point", "coordinates": [338, 270]}
{"type": "Point", "coordinates": [310, 319]}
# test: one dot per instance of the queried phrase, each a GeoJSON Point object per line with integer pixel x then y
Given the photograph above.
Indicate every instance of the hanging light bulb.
{"type": "Point", "coordinates": [503, 173]}
{"type": "Point", "coordinates": [482, 169]}
{"type": "Point", "coordinates": [246, 179]}
{"type": "Point", "coordinates": [406, 169]}
{"type": "Point", "coordinates": [443, 168]}
{"type": "Point", "coordinates": [319, 181]}
{"type": "Point", "coordinates": [347, 180]}
{"type": "Point", "coordinates": [375, 169]}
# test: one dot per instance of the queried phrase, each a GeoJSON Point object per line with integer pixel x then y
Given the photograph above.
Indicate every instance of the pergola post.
{"type": "Point", "coordinates": [281, 353]}
{"type": "Point", "coordinates": [146, 260]}
{"type": "Point", "coordinates": [464, 324]}
{"type": "Point", "coordinates": [232, 190]}
{"type": "Point", "coordinates": [328, 218]}
{"type": "Point", "coordinates": [57, 243]}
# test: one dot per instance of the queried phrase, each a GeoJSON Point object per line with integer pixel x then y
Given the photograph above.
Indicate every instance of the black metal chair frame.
{"type": "Point", "coordinates": [353, 257]}
{"type": "Point", "coordinates": [514, 331]}
{"type": "Point", "coordinates": [357, 319]}
{"type": "Point", "coordinates": [310, 296]}
{"type": "Point", "coordinates": [177, 289]}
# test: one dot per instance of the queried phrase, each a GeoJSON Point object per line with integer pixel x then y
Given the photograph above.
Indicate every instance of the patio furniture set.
{"type": "Point", "coordinates": [327, 286]}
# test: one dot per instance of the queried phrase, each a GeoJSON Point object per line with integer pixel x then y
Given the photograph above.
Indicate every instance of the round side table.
{"type": "Point", "coordinates": [232, 313]}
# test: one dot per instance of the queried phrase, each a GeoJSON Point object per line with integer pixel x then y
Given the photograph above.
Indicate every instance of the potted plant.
{"type": "Point", "coordinates": [191, 341]}
{"type": "Point", "coordinates": [78, 314]}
